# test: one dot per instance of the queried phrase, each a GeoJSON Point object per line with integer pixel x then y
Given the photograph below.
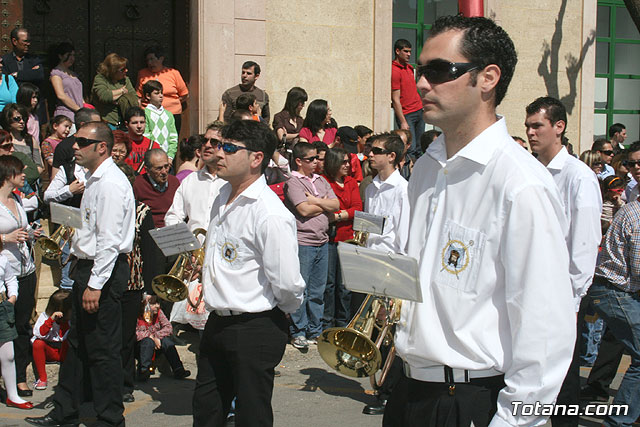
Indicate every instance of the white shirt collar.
{"type": "Point", "coordinates": [251, 192]}
{"type": "Point", "coordinates": [154, 108]}
{"type": "Point", "coordinates": [558, 161]}
{"type": "Point", "coordinates": [100, 170]}
{"type": "Point", "coordinates": [394, 179]}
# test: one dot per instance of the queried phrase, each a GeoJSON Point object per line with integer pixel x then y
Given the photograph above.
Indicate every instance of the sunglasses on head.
{"type": "Point", "coordinates": [230, 148]}
{"type": "Point", "coordinates": [378, 150]}
{"type": "Point", "coordinates": [631, 163]}
{"type": "Point", "coordinates": [85, 142]}
{"type": "Point", "coordinates": [440, 71]}
{"type": "Point", "coordinates": [607, 152]}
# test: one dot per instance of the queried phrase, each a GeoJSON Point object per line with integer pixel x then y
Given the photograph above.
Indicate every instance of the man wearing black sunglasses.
{"type": "Point", "coordinates": [605, 149]}
{"type": "Point", "coordinates": [487, 228]}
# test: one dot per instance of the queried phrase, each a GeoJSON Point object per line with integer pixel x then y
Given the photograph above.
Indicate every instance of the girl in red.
{"type": "Point", "coordinates": [337, 299]}
{"type": "Point", "coordinates": [50, 335]}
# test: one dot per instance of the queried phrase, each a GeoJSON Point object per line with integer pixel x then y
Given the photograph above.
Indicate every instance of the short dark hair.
{"type": "Point", "coordinates": [59, 301]}
{"type": "Point", "coordinates": [392, 143]}
{"type": "Point", "coordinates": [249, 64]}
{"type": "Point", "coordinates": [616, 128]}
{"type": "Point", "coordinates": [401, 44]}
{"type": "Point", "coordinates": [240, 115]}
{"type": "Point", "coordinates": [84, 115]}
{"type": "Point", "coordinates": [362, 130]}
{"type": "Point", "coordinates": [333, 161]}
{"type": "Point", "coordinates": [427, 138]}
{"type": "Point", "coordinates": [316, 113]}
{"type": "Point", "coordinates": [483, 43]}
{"type": "Point", "coordinates": [9, 167]}
{"type": "Point", "coordinates": [215, 125]}
{"type": "Point", "coordinates": [102, 132]}
{"type": "Point", "coordinates": [157, 50]}
{"type": "Point", "coordinates": [320, 146]}
{"type": "Point", "coordinates": [598, 144]}
{"type": "Point", "coordinates": [25, 92]}
{"type": "Point", "coordinates": [554, 110]}
{"type": "Point", "coordinates": [16, 30]}
{"type": "Point", "coordinates": [301, 149]}
{"type": "Point", "coordinates": [635, 146]}
{"type": "Point", "coordinates": [149, 154]}
{"type": "Point", "coordinates": [244, 101]}
{"type": "Point", "coordinates": [150, 86]}
{"type": "Point", "coordinates": [255, 136]}
{"type": "Point", "coordinates": [188, 147]}
{"type": "Point", "coordinates": [295, 96]}
{"type": "Point", "coordinates": [133, 112]}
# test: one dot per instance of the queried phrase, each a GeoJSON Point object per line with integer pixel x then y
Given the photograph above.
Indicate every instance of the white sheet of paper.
{"type": "Point", "coordinates": [66, 215]}
{"type": "Point", "coordinates": [379, 273]}
{"type": "Point", "coordinates": [363, 221]}
{"type": "Point", "coordinates": [174, 239]}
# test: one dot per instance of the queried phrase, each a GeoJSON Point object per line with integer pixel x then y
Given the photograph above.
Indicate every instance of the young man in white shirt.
{"type": "Point", "coordinates": [496, 325]}
{"type": "Point", "coordinates": [545, 125]}
{"type": "Point", "coordinates": [100, 275]}
{"type": "Point", "coordinates": [249, 283]}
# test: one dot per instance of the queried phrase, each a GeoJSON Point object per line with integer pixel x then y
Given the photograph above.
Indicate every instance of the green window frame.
{"type": "Point", "coordinates": [613, 41]}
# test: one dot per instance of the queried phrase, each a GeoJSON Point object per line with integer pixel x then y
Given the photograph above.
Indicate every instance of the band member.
{"type": "Point", "coordinates": [497, 321]}
{"type": "Point", "coordinates": [249, 283]}
{"type": "Point", "coordinates": [100, 277]}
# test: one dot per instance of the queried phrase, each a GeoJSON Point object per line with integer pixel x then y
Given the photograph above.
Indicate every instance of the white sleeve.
{"type": "Point", "coordinates": [58, 189]}
{"type": "Point", "coordinates": [30, 204]}
{"type": "Point", "coordinates": [402, 223]}
{"type": "Point", "coordinates": [176, 213]}
{"type": "Point", "coordinates": [9, 278]}
{"type": "Point", "coordinates": [36, 328]}
{"type": "Point", "coordinates": [541, 320]}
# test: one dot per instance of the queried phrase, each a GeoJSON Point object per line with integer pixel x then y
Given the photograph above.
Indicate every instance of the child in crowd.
{"type": "Point", "coordinates": [28, 96]}
{"type": "Point", "coordinates": [58, 130]}
{"type": "Point", "coordinates": [8, 297]}
{"type": "Point", "coordinates": [612, 189]}
{"type": "Point", "coordinates": [50, 335]}
{"type": "Point", "coordinates": [153, 333]}
{"type": "Point", "coordinates": [248, 101]}
{"type": "Point", "coordinates": [160, 123]}
{"type": "Point", "coordinates": [135, 120]}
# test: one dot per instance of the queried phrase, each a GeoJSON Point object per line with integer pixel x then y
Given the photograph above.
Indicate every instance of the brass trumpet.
{"type": "Point", "coordinates": [174, 286]}
{"type": "Point", "coordinates": [51, 247]}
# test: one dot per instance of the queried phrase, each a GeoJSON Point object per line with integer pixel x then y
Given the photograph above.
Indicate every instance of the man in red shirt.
{"type": "Point", "coordinates": [134, 119]}
{"type": "Point", "coordinates": [405, 99]}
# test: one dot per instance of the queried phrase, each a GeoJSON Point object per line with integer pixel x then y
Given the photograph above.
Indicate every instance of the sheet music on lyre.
{"type": "Point", "coordinates": [66, 215]}
{"type": "Point", "coordinates": [175, 239]}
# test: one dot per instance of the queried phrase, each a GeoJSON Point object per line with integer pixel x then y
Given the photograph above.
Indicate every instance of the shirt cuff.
{"type": "Point", "coordinates": [96, 282]}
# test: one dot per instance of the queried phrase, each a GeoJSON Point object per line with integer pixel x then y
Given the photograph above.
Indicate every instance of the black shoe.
{"type": "Point", "coordinates": [181, 373]}
{"type": "Point", "coordinates": [47, 421]}
{"type": "Point", "coordinates": [277, 373]}
{"type": "Point", "coordinates": [25, 393]}
{"type": "Point", "coordinates": [591, 394]}
{"type": "Point", "coordinates": [177, 341]}
{"type": "Point", "coordinates": [128, 398]}
{"type": "Point", "coordinates": [144, 375]}
{"type": "Point", "coordinates": [375, 409]}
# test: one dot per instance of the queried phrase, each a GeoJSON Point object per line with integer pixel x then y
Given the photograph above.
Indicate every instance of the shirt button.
{"type": "Point", "coordinates": [445, 172]}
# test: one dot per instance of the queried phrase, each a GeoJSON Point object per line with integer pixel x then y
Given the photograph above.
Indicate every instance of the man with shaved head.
{"type": "Point", "coordinates": [100, 273]}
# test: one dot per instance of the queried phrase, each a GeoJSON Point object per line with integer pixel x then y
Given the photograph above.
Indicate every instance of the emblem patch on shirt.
{"type": "Point", "coordinates": [456, 256]}
{"type": "Point", "coordinates": [229, 252]}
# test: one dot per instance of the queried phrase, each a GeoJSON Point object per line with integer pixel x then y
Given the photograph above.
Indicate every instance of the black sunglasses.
{"type": "Point", "coordinates": [85, 142]}
{"type": "Point", "coordinates": [440, 71]}
{"type": "Point", "coordinates": [378, 150]}
{"type": "Point", "coordinates": [607, 152]}
{"type": "Point", "coordinates": [631, 163]}
{"type": "Point", "coordinates": [230, 148]}
{"type": "Point", "coordinates": [17, 119]}
{"type": "Point", "coordinates": [311, 159]}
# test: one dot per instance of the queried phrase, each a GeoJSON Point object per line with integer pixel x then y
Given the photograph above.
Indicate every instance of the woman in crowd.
{"type": "Point", "coordinates": [593, 160]}
{"type": "Point", "coordinates": [121, 146]}
{"type": "Point", "coordinates": [8, 88]}
{"type": "Point", "coordinates": [16, 236]}
{"type": "Point", "coordinates": [174, 89]}
{"type": "Point", "coordinates": [31, 170]}
{"type": "Point", "coordinates": [189, 149]}
{"type": "Point", "coordinates": [289, 121]}
{"type": "Point", "coordinates": [13, 119]}
{"type": "Point", "coordinates": [27, 96]}
{"type": "Point", "coordinates": [112, 91]}
{"type": "Point", "coordinates": [612, 191]}
{"type": "Point", "coordinates": [66, 84]}
{"type": "Point", "coordinates": [337, 299]}
{"type": "Point", "coordinates": [318, 125]}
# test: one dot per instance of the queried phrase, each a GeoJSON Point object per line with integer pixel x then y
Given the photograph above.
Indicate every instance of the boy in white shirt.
{"type": "Point", "coordinates": [160, 123]}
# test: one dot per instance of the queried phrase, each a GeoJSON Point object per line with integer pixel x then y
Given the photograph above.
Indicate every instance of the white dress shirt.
{"type": "Point", "coordinates": [582, 199]}
{"type": "Point", "coordinates": [488, 230]}
{"type": "Point", "coordinates": [8, 281]}
{"type": "Point", "coordinates": [58, 189]}
{"type": "Point", "coordinates": [251, 259]}
{"type": "Point", "coordinates": [389, 199]}
{"type": "Point", "coordinates": [108, 221]}
{"type": "Point", "coordinates": [193, 200]}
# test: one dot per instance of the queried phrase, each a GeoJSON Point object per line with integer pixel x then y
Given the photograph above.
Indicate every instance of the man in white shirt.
{"type": "Point", "coordinates": [580, 192]}
{"type": "Point", "coordinates": [100, 277]}
{"type": "Point", "coordinates": [249, 283]}
{"type": "Point", "coordinates": [496, 325]}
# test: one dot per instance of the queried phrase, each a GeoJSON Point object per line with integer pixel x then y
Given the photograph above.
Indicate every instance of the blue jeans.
{"type": "Point", "coordinates": [621, 311]}
{"type": "Point", "coordinates": [66, 282]}
{"type": "Point", "coordinates": [416, 126]}
{"type": "Point", "coordinates": [337, 298]}
{"type": "Point", "coordinates": [307, 320]}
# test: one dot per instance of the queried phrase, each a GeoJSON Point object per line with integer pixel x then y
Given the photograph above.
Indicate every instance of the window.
{"type": "Point", "coordinates": [617, 88]}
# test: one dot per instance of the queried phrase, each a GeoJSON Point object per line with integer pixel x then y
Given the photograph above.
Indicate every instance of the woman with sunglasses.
{"type": "Point", "coordinates": [318, 124]}
{"type": "Point", "coordinates": [337, 299]}
{"type": "Point", "coordinates": [15, 237]}
{"type": "Point", "coordinates": [13, 119]}
{"type": "Point", "coordinates": [8, 88]}
{"type": "Point", "coordinates": [593, 160]}
{"type": "Point", "coordinates": [112, 92]}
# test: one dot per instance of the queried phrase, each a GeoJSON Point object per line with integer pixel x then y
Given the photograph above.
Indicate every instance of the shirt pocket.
{"type": "Point", "coordinates": [460, 252]}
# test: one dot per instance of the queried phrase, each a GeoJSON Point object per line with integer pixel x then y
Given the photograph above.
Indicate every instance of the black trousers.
{"type": "Point", "coordinates": [131, 301]}
{"type": "Point", "coordinates": [25, 303]}
{"type": "Point", "coordinates": [238, 355]}
{"type": "Point", "coordinates": [93, 366]}
{"type": "Point", "coordinates": [606, 365]}
{"type": "Point", "coordinates": [146, 347]}
{"type": "Point", "coordinates": [416, 403]}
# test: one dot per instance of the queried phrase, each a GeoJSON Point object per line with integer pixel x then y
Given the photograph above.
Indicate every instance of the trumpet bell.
{"type": "Point", "coordinates": [349, 352]}
{"type": "Point", "coordinates": [169, 288]}
{"type": "Point", "coordinates": [49, 248]}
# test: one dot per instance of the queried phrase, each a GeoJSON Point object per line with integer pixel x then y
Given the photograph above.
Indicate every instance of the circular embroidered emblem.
{"type": "Point", "coordinates": [229, 252]}
{"type": "Point", "coordinates": [455, 256]}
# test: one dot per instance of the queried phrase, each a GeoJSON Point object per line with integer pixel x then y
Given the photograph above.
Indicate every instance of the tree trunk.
{"type": "Point", "coordinates": [633, 6]}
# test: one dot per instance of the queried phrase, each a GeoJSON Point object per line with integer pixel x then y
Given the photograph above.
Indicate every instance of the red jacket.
{"type": "Point", "coordinates": [349, 197]}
